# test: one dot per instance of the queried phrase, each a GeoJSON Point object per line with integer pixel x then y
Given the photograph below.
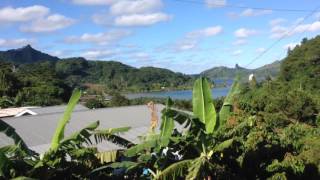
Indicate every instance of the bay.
{"type": "Point", "coordinates": [178, 94]}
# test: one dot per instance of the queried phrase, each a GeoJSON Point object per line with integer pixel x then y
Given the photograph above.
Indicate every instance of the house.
{"type": "Point", "coordinates": [37, 130]}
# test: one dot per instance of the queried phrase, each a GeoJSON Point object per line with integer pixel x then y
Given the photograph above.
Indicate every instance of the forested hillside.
{"type": "Point", "coordinates": [226, 73]}
{"type": "Point", "coordinates": [29, 77]}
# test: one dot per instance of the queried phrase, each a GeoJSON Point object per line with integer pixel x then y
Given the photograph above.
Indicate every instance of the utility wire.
{"type": "Point", "coordinates": [243, 7]}
{"type": "Point", "coordinates": [284, 36]}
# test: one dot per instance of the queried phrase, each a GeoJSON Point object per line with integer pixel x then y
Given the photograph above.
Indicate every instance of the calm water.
{"type": "Point", "coordinates": [183, 94]}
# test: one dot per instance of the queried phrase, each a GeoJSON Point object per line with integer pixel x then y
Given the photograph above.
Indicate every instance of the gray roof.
{"type": "Point", "coordinates": [56, 109]}
{"type": "Point", "coordinates": [38, 130]}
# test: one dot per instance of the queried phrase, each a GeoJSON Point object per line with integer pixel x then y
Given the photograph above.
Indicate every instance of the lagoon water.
{"type": "Point", "coordinates": [182, 94]}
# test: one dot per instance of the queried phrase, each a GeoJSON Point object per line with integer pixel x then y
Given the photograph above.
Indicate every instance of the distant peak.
{"type": "Point", "coordinates": [28, 46]}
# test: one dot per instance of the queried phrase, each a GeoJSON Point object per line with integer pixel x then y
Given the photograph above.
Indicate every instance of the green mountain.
{"type": "Point", "coordinates": [116, 75]}
{"type": "Point", "coordinates": [30, 77]}
{"type": "Point", "coordinates": [226, 73]}
{"type": "Point", "coordinates": [25, 54]}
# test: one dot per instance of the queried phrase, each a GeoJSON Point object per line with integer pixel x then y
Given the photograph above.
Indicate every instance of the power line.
{"type": "Point", "coordinates": [243, 7]}
{"type": "Point", "coordinates": [284, 36]}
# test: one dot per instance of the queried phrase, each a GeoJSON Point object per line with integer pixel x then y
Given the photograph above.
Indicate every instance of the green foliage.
{"type": "Point", "coordinates": [59, 133]}
{"type": "Point", "coordinates": [95, 103]}
{"type": "Point", "coordinates": [301, 67]}
{"type": "Point", "coordinates": [226, 73]}
{"type": "Point", "coordinates": [119, 100]}
{"type": "Point", "coordinates": [229, 101]}
{"type": "Point", "coordinates": [175, 170]}
{"type": "Point", "coordinates": [167, 123]}
{"type": "Point", "coordinates": [203, 106]}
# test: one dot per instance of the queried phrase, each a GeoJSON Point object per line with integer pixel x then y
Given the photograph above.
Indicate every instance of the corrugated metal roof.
{"type": "Point", "coordinates": [56, 109]}
{"type": "Point", "coordinates": [38, 130]}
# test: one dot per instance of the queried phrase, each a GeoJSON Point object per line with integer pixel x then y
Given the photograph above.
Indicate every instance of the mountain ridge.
{"type": "Point", "coordinates": [227, 73]}
{"type": "Point", "coordinates": [27, 55]}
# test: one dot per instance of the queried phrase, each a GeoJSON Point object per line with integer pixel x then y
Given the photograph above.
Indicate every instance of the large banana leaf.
{"type": "Point", "coordinates": [80, 137]}
{"type": "Point", "coordinates": [146, 145]}
{"type": "Point", "coordinates": [59, 133]}
{"type": "Point", "coordinates": [203, 107]}
{"type": "Point", "coordinates": [110, 135]}
{"type": "Point", "coordinates": [11, 132]}
{"type": "Point", "coordinates": [223, 145]}
{"type": "Point", "coordinates": [198, 167]}
{"type": "Point", "coordinates": [175, 170]}
{"type": "Point", "coordinates": [167, 123]}
{"type": "Point", "coordinates": [124, 164]}
{"type": "Point", "coordinates": [226, 109]}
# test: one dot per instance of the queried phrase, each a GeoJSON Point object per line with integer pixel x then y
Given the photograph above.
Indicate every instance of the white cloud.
{"type": "Point", "coordinates": [260, 50]}
{"type": "Point", "coordinates": [132, 13]}
{"type": "Point", "coordinates": [97, 54]}
{"type": "Point", "coordinates": [51, 23]}
{"type": "Point", "coordinates": [215, 3]}
{"type": "Point", "coordinates": [315, 26]}
{"type": "Point", "coordinates": [102, 19]}
{"type": "Point", "coordinates": [14, 43]}
{"type": "Point", "coordinates": [207, 32]}
{"type": "Point", "coordinates": [105, 38]}
{"type": "Point", "coordinates": [277, 21]}
{"type": "Point", "coordinates": [281, 31]}
{"type": "Point", "coordinates": [93, 2]}
{"type": "Point", "coordinates": [191, 40]}
{"type": "Point", "coordinates": [239, 42]}
{"type": "Point", "coordinates": [250, 12]}
{"type": "Point", "coordinates": [278, 31]}
{"type": "Point", "coordinates": [237, 52]}
{"type": "Point", "coordinates": [22, 14]}
{"type": "Point", "coordinates": [243, 32]}
{"type": "Point", "coordinates": [185, 45]}
{"type": "Point", "coordinates": [141, 56]}
{"type": "Point", "coordinates": [141, 19]}
{"type": "Point", "coordinates": [135, 6]}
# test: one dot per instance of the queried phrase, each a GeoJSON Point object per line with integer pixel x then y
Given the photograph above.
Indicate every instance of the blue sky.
{"type": "Point", "coordinates": [188, 36]}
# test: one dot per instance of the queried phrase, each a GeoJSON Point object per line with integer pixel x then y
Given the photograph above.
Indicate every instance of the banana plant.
{"type": "Point", "coordinates": [153, 140]}
{"type": "Point", "coordinates": [226, 111]}
{"type": "Point", "coordinates": [79, 147]}
{"type": "Point", "coordinates": [204, 111]}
